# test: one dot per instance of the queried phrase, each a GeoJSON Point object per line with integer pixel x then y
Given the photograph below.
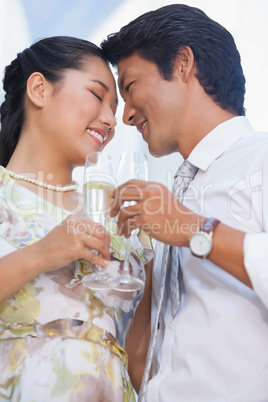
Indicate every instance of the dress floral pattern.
{"type": "Point", "coordinates": [60, 341]}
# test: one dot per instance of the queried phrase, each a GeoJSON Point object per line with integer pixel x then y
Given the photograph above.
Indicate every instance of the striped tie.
{"type": "Point", "coordinates": [182, 179]}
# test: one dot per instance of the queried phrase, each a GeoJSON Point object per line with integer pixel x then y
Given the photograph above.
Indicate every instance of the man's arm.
{"type": "Point", "coordinates": [227, 252]}
{"type": "Point", "coordinates": [159, 213]}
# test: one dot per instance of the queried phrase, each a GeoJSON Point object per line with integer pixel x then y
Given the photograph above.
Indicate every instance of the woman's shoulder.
{"type": "Point", "coordinates": [21, 219]}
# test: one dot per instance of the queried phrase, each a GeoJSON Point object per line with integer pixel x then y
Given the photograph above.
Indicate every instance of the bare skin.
{"type": "Point", "coordinates": [48, 126]}
{"type": "Point", "coordinates": [158, 212]}
{"type": "Point", "coordinates": [172, 116]}
{"type": "Point", "coordinates": [54, 139]}
{"type": "Point", "coordinates": [64, 244]}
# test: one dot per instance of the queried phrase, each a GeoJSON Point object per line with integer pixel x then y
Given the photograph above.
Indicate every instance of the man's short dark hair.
{"type": "Point", "coordinates": [158, 35]}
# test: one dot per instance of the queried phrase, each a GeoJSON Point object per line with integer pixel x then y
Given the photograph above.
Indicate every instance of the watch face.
{"type": "Point", "coordinates": [201, 244]}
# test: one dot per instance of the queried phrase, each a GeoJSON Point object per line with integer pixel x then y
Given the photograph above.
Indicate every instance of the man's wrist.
{"type": "Point", "coordinates": [201, 242]}
{"type": "Point", "coordinates": [189, 227]}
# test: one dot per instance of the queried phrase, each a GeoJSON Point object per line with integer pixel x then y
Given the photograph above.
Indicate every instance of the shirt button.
{"type": "Point", "coordinates": [170, 325]}
{"type": "Point", "coordinates": [163, 369]}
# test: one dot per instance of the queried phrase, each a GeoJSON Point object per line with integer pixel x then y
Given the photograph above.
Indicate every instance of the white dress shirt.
{"type": "Point", "coordinates": [256, 263]}
{"type": "Point", "coordinates": [216, 348]}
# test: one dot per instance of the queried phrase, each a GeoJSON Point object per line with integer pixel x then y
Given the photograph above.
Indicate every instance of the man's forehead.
{"type": "Point", "coordinates": [129, 65]}
{"type": "Point", "coordinates": [125, 67]}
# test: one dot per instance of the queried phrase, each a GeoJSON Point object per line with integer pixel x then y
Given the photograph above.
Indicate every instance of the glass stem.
{"type": "Point", "coordinates": [126, 265]}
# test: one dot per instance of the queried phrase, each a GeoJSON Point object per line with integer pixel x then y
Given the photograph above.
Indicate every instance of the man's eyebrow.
{"type": "Point", "coordinates": [122, 79]}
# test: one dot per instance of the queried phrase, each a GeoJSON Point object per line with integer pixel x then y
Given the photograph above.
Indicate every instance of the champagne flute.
{"type": "Point", "coordinates": [99, 184]}
{"type": "Point", "coordinates": [132, 165]}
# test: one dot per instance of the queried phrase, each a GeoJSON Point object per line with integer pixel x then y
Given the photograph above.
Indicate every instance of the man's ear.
{"type": "Point", "coordinates": [185, 62]}
{"type": "Point", "coordinates": [35, 89]}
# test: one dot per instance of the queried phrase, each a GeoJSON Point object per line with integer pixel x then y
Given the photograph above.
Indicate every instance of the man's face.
{"type": "Point", "coordinates": [155, 106]}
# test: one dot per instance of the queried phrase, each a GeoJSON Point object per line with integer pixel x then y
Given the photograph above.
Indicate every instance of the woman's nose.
{"type": "Point", "coordinates": [108, 118]}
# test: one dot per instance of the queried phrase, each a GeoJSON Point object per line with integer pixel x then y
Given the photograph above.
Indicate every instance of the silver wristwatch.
{"type": "Point", "coordinates": [201, 241]}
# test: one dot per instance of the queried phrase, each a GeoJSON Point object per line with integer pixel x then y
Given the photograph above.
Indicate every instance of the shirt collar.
{"type": "Point", "coordinates": [218, 141]}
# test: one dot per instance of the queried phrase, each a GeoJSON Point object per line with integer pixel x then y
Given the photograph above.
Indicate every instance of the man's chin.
{"type": "Point", "coordinates": [155, 152]}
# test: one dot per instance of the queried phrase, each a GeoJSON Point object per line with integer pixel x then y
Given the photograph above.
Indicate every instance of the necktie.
{"type": "Point", "coordinates": [182, 179]}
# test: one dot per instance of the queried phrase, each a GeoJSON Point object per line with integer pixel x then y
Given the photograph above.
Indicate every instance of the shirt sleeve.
{"type": "Point", "coordinates": [256, 263]}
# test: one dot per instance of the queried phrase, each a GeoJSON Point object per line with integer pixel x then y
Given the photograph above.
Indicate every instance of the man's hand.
{"type": "Point", "coordinates": [156, 211]}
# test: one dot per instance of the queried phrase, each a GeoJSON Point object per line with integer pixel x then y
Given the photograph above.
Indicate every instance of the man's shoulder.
{"type": "Point", "coordinates": [254, 141]}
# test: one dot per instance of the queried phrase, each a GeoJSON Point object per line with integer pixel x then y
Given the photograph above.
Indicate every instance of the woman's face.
{"type": "Point", "coordinates": [79, 117]}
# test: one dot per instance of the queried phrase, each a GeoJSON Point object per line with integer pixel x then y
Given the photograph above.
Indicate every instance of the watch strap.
{"type": "Point", "coordinates": [207, 228]}
{"type": "Point", "coordinates": [209, 225]}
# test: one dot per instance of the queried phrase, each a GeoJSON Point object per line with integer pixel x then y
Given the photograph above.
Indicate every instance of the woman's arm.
{"type": "Point", "coordinates": [139, 337]}
{"type": "Point", "coordinates": [71, 240]}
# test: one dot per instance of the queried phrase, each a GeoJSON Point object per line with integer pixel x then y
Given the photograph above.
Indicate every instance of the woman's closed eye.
{"type": "Point", "coordinates": [97, 96]}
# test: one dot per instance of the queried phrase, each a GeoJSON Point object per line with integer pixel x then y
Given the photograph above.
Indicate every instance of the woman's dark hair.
{"type": "Point", "coordinates": [51, 57]}
{"type": "Point", "coordinates": [157, 36]}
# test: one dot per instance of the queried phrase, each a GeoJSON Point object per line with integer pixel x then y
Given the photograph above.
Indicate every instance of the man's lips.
{"type": "Point", "coordinates": [141, 126]}
{"type": "Point", "coordinates": [97, 134]}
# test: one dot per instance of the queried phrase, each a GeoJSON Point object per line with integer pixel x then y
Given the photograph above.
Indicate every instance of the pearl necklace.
{"type": "Point", "coordinates": [71, 187]}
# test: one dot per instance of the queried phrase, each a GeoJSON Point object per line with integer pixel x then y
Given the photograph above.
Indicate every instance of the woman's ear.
{"type": "Point", "coordinates": [35, 89]}
{"type": "Point", "coordinates": [185, 62]}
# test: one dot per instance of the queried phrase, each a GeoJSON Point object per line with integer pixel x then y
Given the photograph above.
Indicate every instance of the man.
{"type": "Point", "coordinates": [180, 75]}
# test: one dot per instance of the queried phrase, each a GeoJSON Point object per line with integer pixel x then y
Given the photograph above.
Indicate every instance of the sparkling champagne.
{"type": "Point", "coordinates": [97, 196]}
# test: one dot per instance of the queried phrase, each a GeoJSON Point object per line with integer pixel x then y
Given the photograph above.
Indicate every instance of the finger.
{"type": "Point", "coordinates": [126, 194]}
{"type": "Point", "coordinates": [98, 245]}
{"type": "Point", "coordinates": [131, 208]}
{"type": "Point", "coordinates": [88, 229]}
{"type": "Point", "coordinates": [127, 214]}
{"type": "Point", "coordinates": [80, 225]}
{"type": "Point", "coordinates": [103, 236]}
{"type": "Point", "coordinates": [95, 229]}
{"type": "Point", "coordinates": [138, 185]}
{"type": "Point", "coordinates": [131, 184]}
{"type": "Point", "coordinates": [129, 226]}
{"type": "Point", "coordinates": [94, 258]}
{"type": "Point", "coordinates": [135, 190]}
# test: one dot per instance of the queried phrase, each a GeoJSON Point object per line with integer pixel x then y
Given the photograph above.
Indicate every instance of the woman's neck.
{"type": "Point", "coordinates": [40, 166]}
{"type": "Point", "coordinates": [44, 167]}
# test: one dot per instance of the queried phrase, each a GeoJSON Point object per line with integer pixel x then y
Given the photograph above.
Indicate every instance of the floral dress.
{"type": "Point", "coordinates": [60, 341]}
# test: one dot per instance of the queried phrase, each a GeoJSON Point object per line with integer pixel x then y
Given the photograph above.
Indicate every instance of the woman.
{"type": "Point", "coordinates": [59, 340]}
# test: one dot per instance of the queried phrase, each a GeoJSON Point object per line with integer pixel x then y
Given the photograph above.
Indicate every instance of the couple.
{"type": "Point", "coordinates": [180, 75]}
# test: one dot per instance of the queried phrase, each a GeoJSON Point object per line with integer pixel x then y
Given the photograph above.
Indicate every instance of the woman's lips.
{"type": "Point", "coordinates": [98, 136]}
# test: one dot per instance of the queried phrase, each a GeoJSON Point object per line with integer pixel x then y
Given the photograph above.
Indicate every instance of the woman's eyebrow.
{"type": "Point", "coordinates": [102, 84]}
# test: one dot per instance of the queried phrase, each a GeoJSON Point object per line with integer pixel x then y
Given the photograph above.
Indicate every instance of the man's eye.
{"type": "Point", "coordinates": [97, 96]}
{"type": "Point", "coordinates": [128, 86]}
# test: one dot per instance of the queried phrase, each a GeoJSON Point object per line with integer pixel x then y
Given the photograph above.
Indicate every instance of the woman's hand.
{"type": "Point", "coordinates": [75, 238]}
{"type": "Point", "coordinates": [71, 240]}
